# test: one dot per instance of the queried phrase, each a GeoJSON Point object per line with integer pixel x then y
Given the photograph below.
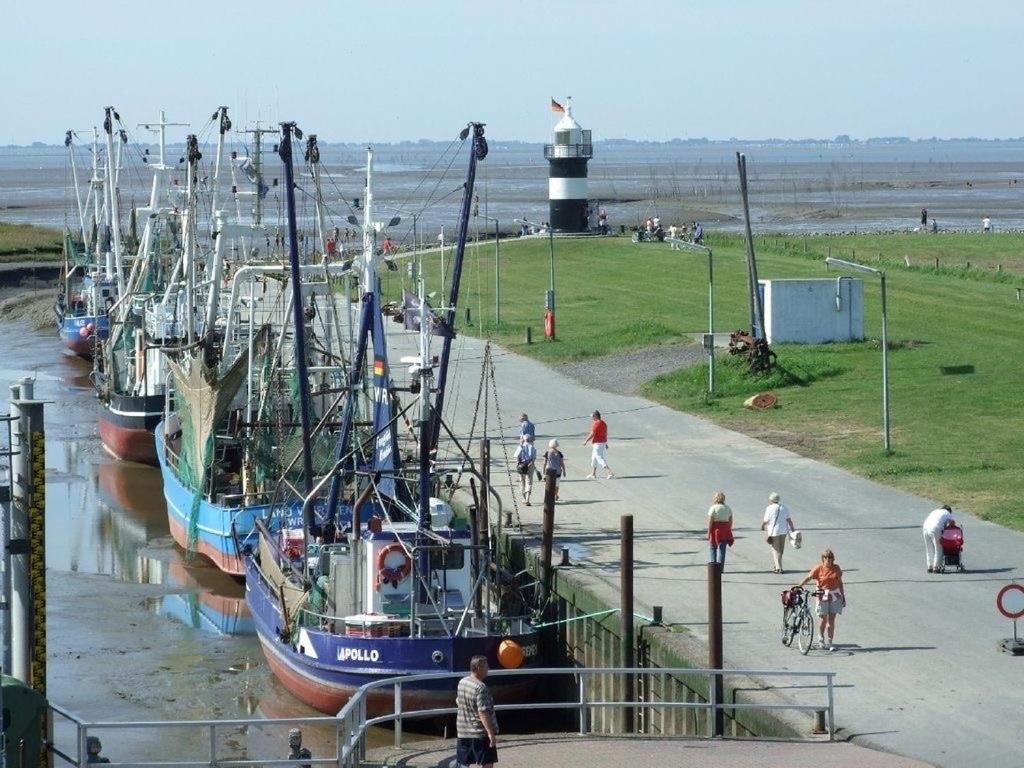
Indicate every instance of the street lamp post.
{"type": "Point", "coordinates": [549, 300]}
{"type": "Point", "coordinates": [887, 442]}
{"type": "Point", "coordinates": [709, 344]}
{"type": "Point", "coordinates": [497, 271]}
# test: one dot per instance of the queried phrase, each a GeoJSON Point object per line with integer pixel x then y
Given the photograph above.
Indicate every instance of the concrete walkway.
{"type": "Point", "coordinates": [568, 751]}
{"type": "Point", "coordinates": [919, 672]}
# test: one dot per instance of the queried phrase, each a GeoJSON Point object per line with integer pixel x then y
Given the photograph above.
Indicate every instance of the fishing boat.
{"type": "Point", "coordinates": [130, 374]}
{"type": "Point", "coordinates": [88, 290]}
{"type": "Point", "coordinates": [221, 449]}
{"type": "Point", "coordinates": [385, 579]}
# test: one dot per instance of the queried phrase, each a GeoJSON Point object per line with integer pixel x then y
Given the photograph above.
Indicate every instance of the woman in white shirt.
{"type": "Point", "coordinates": [777, 523]}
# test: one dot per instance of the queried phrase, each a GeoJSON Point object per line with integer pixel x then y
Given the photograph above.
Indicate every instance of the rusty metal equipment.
{"type": "Point", "coordinates": [760, 357]}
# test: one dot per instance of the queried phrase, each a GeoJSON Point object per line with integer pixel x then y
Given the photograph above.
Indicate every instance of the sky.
{"type": "Point", "coordinates": [382, 71]}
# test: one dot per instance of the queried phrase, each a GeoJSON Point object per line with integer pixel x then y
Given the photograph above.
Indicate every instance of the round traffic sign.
{"type": "Point", "coordinates": [1010, 601]}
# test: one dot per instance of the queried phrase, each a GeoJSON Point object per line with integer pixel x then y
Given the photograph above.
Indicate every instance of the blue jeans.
{"type": "Point", "coordinates": [717, 554]}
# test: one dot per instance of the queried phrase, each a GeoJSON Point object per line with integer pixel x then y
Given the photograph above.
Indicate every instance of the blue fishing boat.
{"type": "Point", "coordinates": [399, 585]}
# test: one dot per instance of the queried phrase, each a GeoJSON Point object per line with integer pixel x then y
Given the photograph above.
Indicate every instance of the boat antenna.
{"type": "Point", "coordinates": [478, 152]}
{"type": "Point", "coordinates": [285, 151]}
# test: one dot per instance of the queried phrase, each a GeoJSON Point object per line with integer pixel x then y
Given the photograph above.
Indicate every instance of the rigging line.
{"type": "Point", "coordinates": [403, 203]}
{"type": "Point", "coordinates": [442, 177]}
{"type": "Point", "coordinates": [503, 443]}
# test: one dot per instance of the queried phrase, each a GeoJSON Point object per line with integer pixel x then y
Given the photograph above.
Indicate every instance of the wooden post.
{"type": "Point", "coordinates": [548, 532]}
{"type": "Point", "coordinates": [715, 643]}
{"type": "Point", "coordinates": [626, 617]}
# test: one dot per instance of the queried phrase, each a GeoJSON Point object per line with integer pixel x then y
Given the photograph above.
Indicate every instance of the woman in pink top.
{"type": "Point", "coordinates": [719, 529]}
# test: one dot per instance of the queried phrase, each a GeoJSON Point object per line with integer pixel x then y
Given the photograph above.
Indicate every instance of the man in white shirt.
{"type": "Point", "coordinates": [932, 530]}
{"type": "Point", "coordinates": [777, 523]}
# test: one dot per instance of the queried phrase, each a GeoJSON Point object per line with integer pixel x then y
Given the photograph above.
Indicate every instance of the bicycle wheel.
{"type": "Point", "coordinates": [806, 636]}
{"type": "Point", "coordinates": [787, 626]}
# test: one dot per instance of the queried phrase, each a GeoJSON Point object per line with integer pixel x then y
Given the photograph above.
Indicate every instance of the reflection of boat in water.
{"type": "Point", "coordinates": [214, 602]}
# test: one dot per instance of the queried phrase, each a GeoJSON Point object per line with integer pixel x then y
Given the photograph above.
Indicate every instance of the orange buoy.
{"type": "Point", "coordinates": [510, 654]}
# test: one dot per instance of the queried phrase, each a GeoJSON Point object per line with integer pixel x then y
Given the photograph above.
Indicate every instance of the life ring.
{"type": "Point", "coordinates": [393, 575]}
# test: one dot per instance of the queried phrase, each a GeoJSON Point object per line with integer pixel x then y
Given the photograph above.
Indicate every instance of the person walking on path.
{"type": "Point", "coordinates": [526, 465]}
{"type": "Point", "coordinates": [777, 523]}
{"type": "Point", "coordinates": [526, 427]}
{"type": "Point", "coordinates": [475, 723]}
{"type": "Point", "coordinates": [719, 529]}
{"type": "Point", "coordinates": [598, 437]}
{"type": "Point", "coordinates": [932, 530]}
{"type": "Point", "coordinates": [829, 578]}
{"type": "Point", "coordinates": [554, 464]}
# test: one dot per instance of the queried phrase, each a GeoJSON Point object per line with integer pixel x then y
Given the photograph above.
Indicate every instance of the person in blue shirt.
{"type": "Point", "coordinates": [698, 233]}
{"type": "Point", "coordinates": [526, 465]}
{"type": "Point", "coordinates": [526, 427]}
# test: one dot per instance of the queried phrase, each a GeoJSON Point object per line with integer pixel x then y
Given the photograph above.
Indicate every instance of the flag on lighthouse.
{"type": "Point", "coordinates": [556, 107]}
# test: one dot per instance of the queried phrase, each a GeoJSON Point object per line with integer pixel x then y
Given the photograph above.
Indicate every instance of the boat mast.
{"type": "Point", "coordinates": [69, 143]}
{"type": "Point", "coordinates": [192, 157]}
{"type": "Point", "coordinates": [477, 152]}
{"type": "Point", "coordinates": [298, 318]}
{"type": "Point", "coordinates": [113, 220]}
{"type": "Point", "coordinates": [95, 186]}
{"type": "Point", "coordinates": [223, 127]}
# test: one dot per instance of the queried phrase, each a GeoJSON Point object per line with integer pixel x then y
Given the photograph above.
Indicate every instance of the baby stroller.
{"type": "Point", "coordinates": [952, 541]}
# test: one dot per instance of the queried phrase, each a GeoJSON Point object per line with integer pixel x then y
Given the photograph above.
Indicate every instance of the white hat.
{"type": "Point", "coordinates": [553, 444]}
{"type": "Point", "coordinates": [773, 497]}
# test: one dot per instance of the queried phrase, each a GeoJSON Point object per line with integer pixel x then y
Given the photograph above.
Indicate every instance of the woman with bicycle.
{"type": "Point", "coordinates": [829, 578]}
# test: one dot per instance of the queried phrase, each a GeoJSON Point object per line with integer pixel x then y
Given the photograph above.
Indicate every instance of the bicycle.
{"type": "Point", "coordinates": [797, 619]}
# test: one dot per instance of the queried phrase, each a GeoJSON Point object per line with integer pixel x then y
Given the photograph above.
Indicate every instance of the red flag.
{"type": "Point", "coordinates": [556, 107]}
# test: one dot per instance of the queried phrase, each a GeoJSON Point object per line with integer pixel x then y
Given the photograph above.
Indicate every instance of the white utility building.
{"type": "Point", "coordinates": [813, 311]}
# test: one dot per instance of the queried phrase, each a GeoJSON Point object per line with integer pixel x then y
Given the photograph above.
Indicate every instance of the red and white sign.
{"type": "Point", "coordinates": [1010, 601]}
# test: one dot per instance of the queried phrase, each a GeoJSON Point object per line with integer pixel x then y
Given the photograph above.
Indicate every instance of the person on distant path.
{"type": "Point", "coordinates": [526, 427]}
{"type": "Point", "coordinates": [932, 530]}
{"type": "Point", "coordinates": [475, 723]}
{"type": "Point", "coordinates": [602, 222]}
{"type": "Point", "coordinates": [924, 218]}
{"type": "Point", "coordinates": [986, 225]}
{"type": "Point", "coordinates": [554, 464]}
{"type": "Point", "coordinates": [935, 226]}
{"type": "Point", "coordinates": [673, 231]}
{"type": "Point", "coordinates": [599, 438]}
{"type": "Point", "coordinates": [526, 463]}
{"type": "Point", "coordinates": [778, 524]}
{"type": "Point", "coordinates": [698, 233]}
{"type": "Point", "coordinates": [719, 529]}
{"type": "Point", "coordinates": [829, 578]}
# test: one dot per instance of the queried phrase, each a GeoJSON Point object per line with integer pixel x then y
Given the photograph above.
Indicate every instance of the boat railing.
{"type": "Point", "coordinates": [589, 691]}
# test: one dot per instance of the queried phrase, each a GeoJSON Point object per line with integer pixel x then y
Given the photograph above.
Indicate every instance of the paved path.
{"type": "Point", "coordinates": [918, 666]}
{"type": "Point", "coordinates": [575, 752]}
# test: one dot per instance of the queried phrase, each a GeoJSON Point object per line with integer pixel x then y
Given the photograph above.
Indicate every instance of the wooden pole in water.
{"type": "Point", "coordinates": [717, 691]}
{"type": "Point", "coordinates": [548, 531]}
{"type": "Point", "coordinates": [626, 616]}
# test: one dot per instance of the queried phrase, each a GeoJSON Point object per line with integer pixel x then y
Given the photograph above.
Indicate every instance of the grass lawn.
{"type": "Point", "coordinates": [21, 241]}
{"type": "Point", "coordinates": [956, 438]}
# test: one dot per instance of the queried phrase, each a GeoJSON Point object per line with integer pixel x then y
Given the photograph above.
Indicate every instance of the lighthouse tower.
{"type": "Point", "coordinates": [567, 176]}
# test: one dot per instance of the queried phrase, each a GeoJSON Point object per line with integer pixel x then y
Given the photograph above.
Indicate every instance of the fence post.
{"type": "Point", "coordinates": [831, 709]}
{"type": "Point", "coordinates": [398, 714]}
{"type": "Point", "coordinates": [213, 744]}
{"type": "Point", "coordinates": [583, 704]}
{"type": "Point", "coordinates": [712, 702]}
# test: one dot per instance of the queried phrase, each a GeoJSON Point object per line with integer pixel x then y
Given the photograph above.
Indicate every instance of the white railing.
{"type": "Point", "coordinates": [352, 722]}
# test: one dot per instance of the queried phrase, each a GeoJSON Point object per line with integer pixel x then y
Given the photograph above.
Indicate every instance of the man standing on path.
{"type": "Point", "coordinates": [778, 524]}
{"type": "Point", "coordinates": [598, 437]}
{"type": "Point", "coordinates": [526, 465]}
{"type": "Point", "coordinates": [932, 530]}
{"type": "Point", "coordinates": [526, 427]}
{"type": "Point", "coordinates": [475, 724]}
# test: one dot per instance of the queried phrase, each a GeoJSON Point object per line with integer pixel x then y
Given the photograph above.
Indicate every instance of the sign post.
{"type": "Point", "coordinates": [1010, 602]}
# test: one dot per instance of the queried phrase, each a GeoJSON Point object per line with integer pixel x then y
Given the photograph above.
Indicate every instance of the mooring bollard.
{"type": "Point", "coordinates": [565, 558]}
{"type": "Point", "coordinates": [656, 615]}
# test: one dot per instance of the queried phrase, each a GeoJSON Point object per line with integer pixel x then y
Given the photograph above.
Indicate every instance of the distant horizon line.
{"type": "Point", "coordinates": [842, 139]}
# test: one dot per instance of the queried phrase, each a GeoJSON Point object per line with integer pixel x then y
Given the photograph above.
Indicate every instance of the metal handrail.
{"type": "Point", "coordinates": [352, 722]}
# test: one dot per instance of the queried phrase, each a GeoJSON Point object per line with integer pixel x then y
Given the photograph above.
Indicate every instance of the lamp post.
{"type": "Point", "coordinates": [851, 265]}
{"type": "Point", "coordinates": [709, 342]}
{"type": "Point", "coordinates": [549, 300]}
{"type": "Point", "coordinates": [497, 271]}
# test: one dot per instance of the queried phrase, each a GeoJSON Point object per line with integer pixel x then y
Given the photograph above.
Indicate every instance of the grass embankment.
{"type": "Point", "coordinates": [957, 436]}
{"type": "Point", "coordinates": [26, 242]}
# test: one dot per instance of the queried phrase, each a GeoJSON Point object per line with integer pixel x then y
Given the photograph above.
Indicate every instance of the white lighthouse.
{"type": "Point", "coordinates": [567, 157]}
